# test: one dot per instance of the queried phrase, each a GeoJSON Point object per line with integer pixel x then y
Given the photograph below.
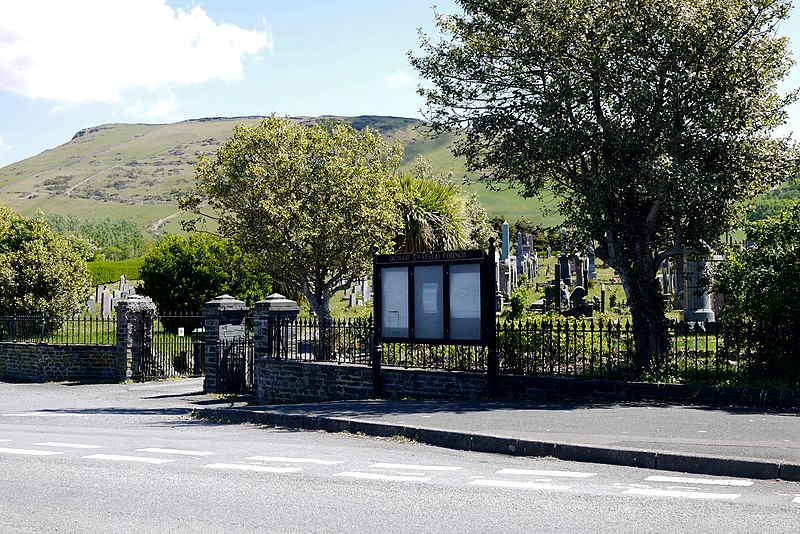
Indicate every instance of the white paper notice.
{"type": "Point", "coordinates": [465, 295]}
{"type": "Point", "coordinates": [394, 284]}
{"type": "Point", "coordinates": [430, 297]}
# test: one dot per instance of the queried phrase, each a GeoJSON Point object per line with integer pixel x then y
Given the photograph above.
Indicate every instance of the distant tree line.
{"type": "Point", "coordinates": [114, 239]}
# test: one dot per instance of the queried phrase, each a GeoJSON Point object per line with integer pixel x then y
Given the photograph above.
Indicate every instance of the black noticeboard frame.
{"type": "Point", "coordinates": [405, 269]}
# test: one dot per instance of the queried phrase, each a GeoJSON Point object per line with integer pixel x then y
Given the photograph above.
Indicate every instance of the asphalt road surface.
{"type": "Point", "coordinates": [130, 458]}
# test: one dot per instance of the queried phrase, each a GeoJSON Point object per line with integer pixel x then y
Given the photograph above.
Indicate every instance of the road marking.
{"type": "Point", "coordinates": [412, 467]}
{"type": "Point", "coordinates": [683, 494]}
{"type": "Point", "coordinates": [119, 458]}
{"type": "Point", "coordinates": [516, 484]}
{"type": "Point", "coordinates": [381, 476]}
{"type": "Point", "coordinates": [70, 445]}
{"type": "Point", "coordinates": [796, 500]}
{"type": "Point", "coordinates": [176, 451]}
{"type": "Point", "coordinates": [5, 440]}
{"type": "Point", "coordinates": [562, 474]}
{"type": "Point", "coordinates": [293, 460]}
{"type": "Point", "coordinates": [260, 468]}
{"type": "Point", "coordinates": [29, 452]}
{"type": "Point", "coordinates": [708, 481]}
{"type": "Point", "coordinates": [45, 414]}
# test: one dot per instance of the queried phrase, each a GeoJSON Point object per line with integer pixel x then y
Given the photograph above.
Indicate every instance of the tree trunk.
{"type": "Point", "coordinates": [647, 312]}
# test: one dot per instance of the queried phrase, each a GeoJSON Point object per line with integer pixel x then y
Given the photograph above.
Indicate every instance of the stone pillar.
{"type": "Point", "coordinates": [135, 332]}
{"type": "Point", "coordinates": [275, 327]}
{"type": "Point", "coordinates": [224, 321]}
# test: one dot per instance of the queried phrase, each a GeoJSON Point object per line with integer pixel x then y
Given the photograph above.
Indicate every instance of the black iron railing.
{"type": "Point", "coordinates": [695, 352]}
{"type": "Point", "coordinates": [39, 328]}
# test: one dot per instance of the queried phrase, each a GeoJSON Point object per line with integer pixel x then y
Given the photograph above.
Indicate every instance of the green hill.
{"type": "Point", "coordinates": [138, 171]}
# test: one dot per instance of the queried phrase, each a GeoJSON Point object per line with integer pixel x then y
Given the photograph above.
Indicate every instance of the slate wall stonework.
{"type": "Point", "coordinates": [37, 362]}
{"type": "Point", "coordinates": [288, 381]}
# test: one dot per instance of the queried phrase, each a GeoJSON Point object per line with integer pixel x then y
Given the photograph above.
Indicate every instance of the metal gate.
{"type": "Point", "coordinates": [235, 365]}
{"type": "Point", "coordinates": [177, 347]}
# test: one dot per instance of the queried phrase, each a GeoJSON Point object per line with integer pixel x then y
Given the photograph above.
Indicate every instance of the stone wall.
{"type": "Point", "coordinates": [291, 381]}
{"type": "Point", "coordinates": [287, 381]}
{"type": "Point", "coordinates": [37, 362]}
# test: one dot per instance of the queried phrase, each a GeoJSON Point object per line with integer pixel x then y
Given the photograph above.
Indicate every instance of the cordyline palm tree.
{"type": "Point", "coordinates": [433, 213]}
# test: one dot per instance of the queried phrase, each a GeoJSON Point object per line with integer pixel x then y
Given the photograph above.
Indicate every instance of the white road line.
{"type": "Point", "coordinates": [70, 445]}
{"type": "Point", "coordinates": [29, 452]}
{"type": "Point", "coordinates": [412, 467]}
{"type": "Point", "coordinates": [293, 460]}
{"type": "Point", "coordinates": [562, 474]}
{"type": "Point", "coordinates": [5, 440]}
{"type": "Point", "coordinates": [381, 476]}
{"type": "Point", "coordinates": [259, 468]}
{"type": "Point", "coordinates": [708, 481]}
{"type": "Point", "coordinates": [176, 451]}
{"type": "Point", "coordinates": [516, 484]}
{"type": "Point", "coordinates": [796, 500]}
{"type": "Point", "coordinates": [683, 494]}
{"type": "Point", "coordinates": [119, 458]}
{"type": "Point", "coordinates": [45, 414]}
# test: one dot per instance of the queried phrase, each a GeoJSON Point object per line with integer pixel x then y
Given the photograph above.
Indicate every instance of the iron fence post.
{"type": "Point", "coordinates": [377, 358]}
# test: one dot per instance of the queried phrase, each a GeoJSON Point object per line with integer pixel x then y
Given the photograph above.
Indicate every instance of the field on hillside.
{"type": "Point", "coordinates": [138, 171]}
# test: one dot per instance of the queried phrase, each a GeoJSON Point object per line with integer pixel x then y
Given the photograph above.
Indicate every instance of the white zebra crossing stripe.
{"type": "Point", "coordinates": [176, 451]}
{"type": "Point", "coordinates": [258, 468]}
{"type": "Point", "coordinates": [381, 476]}
{"type": "Point", "coordinates": [796, 500]}
{"type": "Point", "coordinates": [293, 460]}
{"type": "Point", "coordinates": [414, 467]}
{"type": "Point", "coordinates": [121, 458]}
{"type": "Point", "coordinates": [516, 484]}
{"type": "Point", "coordinates": [69, 445]}
{"type": "Point", "coordinates": [707, 481]}
{"type": "Point", "coordinates": [28, 452]}
{"type": "Point", "coordinates": [651, 492]}
{"type": "Point", "coordinates": [539, 473]}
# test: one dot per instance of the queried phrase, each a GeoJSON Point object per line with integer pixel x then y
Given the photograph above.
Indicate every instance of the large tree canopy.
{"type": "Point", "coordinates": [181, 273]}
{"type": "Point", "coordinates": [40, 271]}
{"type": "Point", "coordinates": [650, 119]}
{"type": "Point", "coordinates": [310, 202]}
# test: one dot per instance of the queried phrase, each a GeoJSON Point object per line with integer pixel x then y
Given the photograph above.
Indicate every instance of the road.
{"type": "Point", "coordinates": [130, 458]}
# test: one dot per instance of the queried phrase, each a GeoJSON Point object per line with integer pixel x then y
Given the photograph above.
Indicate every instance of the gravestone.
{"type": "Point", "coordinates": [566, 275]}
{"type": "Point", "coordinates": [353, 299]}
{"type": "Point", "coordinates": [592, 264]}
{"type": "Point", "coordinates": [91, 306]}
{"type": "Point", "coordinates": [579, 272]}
{"type": "Point", "coordinates": [504, 243]}
{"type": "Point", "coordinates": [697, 298]}
{"type": "Point", "coordinates": [366, 293]}
{"type": "Point", "coordinates": [520, 254]}
{"type": "Point", "coordinates": [577, 297]}
{"type": "Point", "coordinates": [105, 304]}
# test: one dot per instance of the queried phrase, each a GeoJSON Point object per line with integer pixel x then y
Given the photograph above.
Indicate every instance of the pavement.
{"type": "Point", "coordinates": [710, 440]}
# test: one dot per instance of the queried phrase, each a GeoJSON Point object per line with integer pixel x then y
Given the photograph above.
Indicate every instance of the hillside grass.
{"type": "Point", "coordinates": [138, 171]}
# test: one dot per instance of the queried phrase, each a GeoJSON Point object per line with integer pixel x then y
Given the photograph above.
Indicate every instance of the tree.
{"type": "Point", "coordinates": [650, 120]}
{"type": "Point", "coordinates": [437, 214]}
{"type": "Point", "coordinates": [116, 239]}
{"type": "Point", "coordinates": [309, 203]}
{"type": "Point", "coordinates": [40, 270]}
{"type": "Point", "coordinates": [181, 273]}
{"type": "Point", "coordinates": [760, 283]}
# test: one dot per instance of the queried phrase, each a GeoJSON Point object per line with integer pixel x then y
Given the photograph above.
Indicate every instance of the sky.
{"type": "Point", "coordinates": [69, 65]}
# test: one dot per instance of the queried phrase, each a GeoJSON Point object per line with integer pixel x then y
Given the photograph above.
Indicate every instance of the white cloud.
{"type": "Point", "coordinates": [93, 50]}
{"type": "Point", "coordinates": [163, 109]}
{"type": "Point", "coordinates": [398, 79]}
